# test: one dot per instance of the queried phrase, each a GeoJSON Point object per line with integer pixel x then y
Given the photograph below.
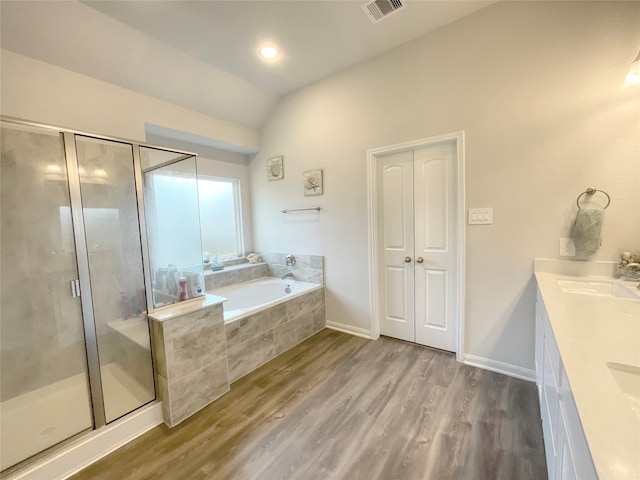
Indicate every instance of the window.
{"type": "Point", "coordinates": [220, 220]}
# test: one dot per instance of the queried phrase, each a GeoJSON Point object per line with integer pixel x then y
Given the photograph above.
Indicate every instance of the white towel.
{"type": "Point", "coordinates": [587, 229]}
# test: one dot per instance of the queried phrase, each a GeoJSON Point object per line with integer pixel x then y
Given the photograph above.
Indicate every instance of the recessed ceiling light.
{"type": "Point", "coordinates": [268, 52]}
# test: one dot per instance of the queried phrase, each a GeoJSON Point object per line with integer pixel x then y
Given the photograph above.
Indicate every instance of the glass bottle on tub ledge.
{"type": "Point", "coordinates": [183, 288]}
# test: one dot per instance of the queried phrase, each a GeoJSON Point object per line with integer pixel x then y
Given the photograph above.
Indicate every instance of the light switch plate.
{"type": "Point", "coordinates": [481, 216]}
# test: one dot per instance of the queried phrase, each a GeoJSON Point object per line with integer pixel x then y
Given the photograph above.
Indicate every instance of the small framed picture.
{"type": "Point", "coordinates": [312, 181]}
{"type": "Point", "coordinates": [275, 169]}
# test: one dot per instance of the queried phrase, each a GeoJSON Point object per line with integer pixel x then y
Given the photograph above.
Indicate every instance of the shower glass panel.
{"type": "Point", "coordinates": [173, 225]}
{"type": "Point", "coordinates": [110, 211]}
{"type": "Point", "coordinates": [44, 389]}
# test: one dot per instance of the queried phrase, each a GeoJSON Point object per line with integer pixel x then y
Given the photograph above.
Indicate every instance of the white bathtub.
{"type": "Point", "coordinates": [249, 297]}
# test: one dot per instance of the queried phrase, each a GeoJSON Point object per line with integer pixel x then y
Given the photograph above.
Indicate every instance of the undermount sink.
{"type": "Point", "coordinates": [602, 288]}
{"type": "Point", "coordinates": [628, 379]}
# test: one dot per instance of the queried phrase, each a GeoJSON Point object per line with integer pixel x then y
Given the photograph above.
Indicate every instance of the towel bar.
{"type": "Point", "coordinates": [591, 191]}
{"type": "Point", "coordinates": [300, 209]}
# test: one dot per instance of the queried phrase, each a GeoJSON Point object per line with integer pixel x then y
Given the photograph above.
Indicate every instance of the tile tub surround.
{"type": "Point", "coordinates": [233, 274]}
{"type": "Point", "coordinates": [255, 339]}
{"type": "Point", "coordinates": [190, 356]}
{"type": "Point", "coordinates": [308, 268]}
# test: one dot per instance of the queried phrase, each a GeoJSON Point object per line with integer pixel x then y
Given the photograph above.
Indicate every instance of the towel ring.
{"type": "Point", "coordinates": [591, 191]}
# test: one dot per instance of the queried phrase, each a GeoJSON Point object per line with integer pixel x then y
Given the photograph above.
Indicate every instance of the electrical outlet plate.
{"type": "Point", "coordinates": [481, 216]}
{"type": "Point", "coordinates": [567, 247]}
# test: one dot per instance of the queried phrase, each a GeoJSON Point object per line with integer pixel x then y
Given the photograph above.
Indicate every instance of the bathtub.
{"type": "Point", "coordinates": [246, 298]}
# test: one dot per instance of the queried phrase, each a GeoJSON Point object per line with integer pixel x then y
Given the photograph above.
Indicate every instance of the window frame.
{"type": "Point", "coordinates": [237, 201]}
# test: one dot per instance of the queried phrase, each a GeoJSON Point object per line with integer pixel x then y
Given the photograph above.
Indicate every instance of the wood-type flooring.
{"type": "Point", "coordinates": [343, 407]}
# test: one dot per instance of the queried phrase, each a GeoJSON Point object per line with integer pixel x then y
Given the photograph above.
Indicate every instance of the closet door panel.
{"type": "Point", "coordinates": [436, 268]}
{"type": "Point", "coordinates": [396, 242]}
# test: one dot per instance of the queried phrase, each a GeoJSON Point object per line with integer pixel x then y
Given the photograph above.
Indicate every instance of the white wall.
{"type": "Point", "coordinates": [535, 88]}
{"type": "Point", "coordinates": [44, 93]}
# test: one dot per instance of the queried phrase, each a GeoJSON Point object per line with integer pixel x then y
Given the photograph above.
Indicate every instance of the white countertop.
{"type": "Point", "coordinates": [592, 332]}
{"type": "Point", "coordinates": [188, 306]}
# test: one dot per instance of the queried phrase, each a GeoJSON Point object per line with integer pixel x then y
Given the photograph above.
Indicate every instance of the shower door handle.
{"type": "Point", "coordinates": [75, 288]}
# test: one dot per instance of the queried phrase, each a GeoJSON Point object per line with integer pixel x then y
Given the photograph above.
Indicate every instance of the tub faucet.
{"type": "Point", "coordinates": [287, 275]}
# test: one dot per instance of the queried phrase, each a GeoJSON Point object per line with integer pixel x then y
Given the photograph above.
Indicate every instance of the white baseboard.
{"type": "Point", "coordinates": [499, 367]}
{"type": "Point", "coordinates": [93, 447]}
{"type": "Point", "coordinates": [350, 329]}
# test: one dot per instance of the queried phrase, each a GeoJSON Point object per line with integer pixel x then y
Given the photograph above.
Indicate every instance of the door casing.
{"type": "Point", "coordinates": [373, 155]}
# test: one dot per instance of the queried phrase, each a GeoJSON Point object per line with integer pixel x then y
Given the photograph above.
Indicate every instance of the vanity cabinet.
{"type": "Point", "coordinates": [565, 444]}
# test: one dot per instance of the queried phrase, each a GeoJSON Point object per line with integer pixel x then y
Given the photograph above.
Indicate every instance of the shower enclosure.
{"type": "Point", "coordinates": [173, 225]}
{"type": "Point", "coordinates": [74, 337]}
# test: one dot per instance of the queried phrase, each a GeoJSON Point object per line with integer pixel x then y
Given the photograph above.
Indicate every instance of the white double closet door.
{"type": "Point", "coordinates": [417, 239]}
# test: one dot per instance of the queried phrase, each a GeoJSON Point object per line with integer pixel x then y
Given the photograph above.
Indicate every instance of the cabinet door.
{"type": "Point", "coordinates": [565, 468]}
{"type": "Point", "coordinates": [539, 353]}
{"type": "Point", "coordinates": [576, 440]}
{"type": "Point", "coordinates": [566, 448]}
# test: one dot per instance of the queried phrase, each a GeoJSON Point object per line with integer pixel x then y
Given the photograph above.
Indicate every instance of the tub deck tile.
{"type": "Point", "coordinates": [232, 331]}
{"type": "Point", "coordinates": [255, 325]}
{"type": "Point", "coordinates": [279, 314]}
{"type": "Point", "coordinates": [261, 323]}
{"type": "Point", "coordinates": [200, 388]}
{"type": "Point", "coordinates": [285, 337]}
{"type": "Point", "coordinates": [304, 305]}
{"type": "Point", "coordinates": [196, 349]}
{"type": "Point", "coordinates": [319, 318]}
{"type": "Point", "coordinates": [247, 356]}
{"type": "Point", "coordinates": [304, 328]}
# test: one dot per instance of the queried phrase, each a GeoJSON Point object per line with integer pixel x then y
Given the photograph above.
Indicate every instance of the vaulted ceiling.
{"type": "Point", "coordinates": [203, 55]}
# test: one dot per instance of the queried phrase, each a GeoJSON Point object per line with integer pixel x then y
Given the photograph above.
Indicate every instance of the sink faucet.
{"type": "Point", "coordinates": [287, 275]}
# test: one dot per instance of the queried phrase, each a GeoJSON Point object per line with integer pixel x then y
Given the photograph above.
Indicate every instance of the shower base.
{"type": "Point", "coordinates": [39, 419]}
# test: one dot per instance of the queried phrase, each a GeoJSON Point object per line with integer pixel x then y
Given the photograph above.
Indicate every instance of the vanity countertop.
{"type": "Point", "coordinates": [599, 341]}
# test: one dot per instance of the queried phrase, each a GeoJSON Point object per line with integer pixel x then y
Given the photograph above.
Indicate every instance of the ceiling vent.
{"type": "Point", "coordinates": [381, 9]}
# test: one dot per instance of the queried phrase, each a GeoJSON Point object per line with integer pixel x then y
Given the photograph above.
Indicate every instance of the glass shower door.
{"type": "Point", "coordinates": [44, 387]}
{"type": "Point", "coordinates": [111, 222]}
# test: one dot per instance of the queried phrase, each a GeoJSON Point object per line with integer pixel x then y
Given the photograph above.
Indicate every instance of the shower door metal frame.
{"type": "Point", "coordinates": [82, 253]}
{"type": "Point", "coordinates": [146, 262]}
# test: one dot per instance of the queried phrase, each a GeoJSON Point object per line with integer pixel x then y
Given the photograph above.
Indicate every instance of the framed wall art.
{"type": "Point", "coordinates": [312, 182]}
{"type": "Point", "coordinates": [275, 169]}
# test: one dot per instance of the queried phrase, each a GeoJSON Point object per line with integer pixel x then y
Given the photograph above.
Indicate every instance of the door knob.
{"type": "Point", "coordinates": [407, 259]}
{"type": "Point", "coordinates": [419, 259]}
